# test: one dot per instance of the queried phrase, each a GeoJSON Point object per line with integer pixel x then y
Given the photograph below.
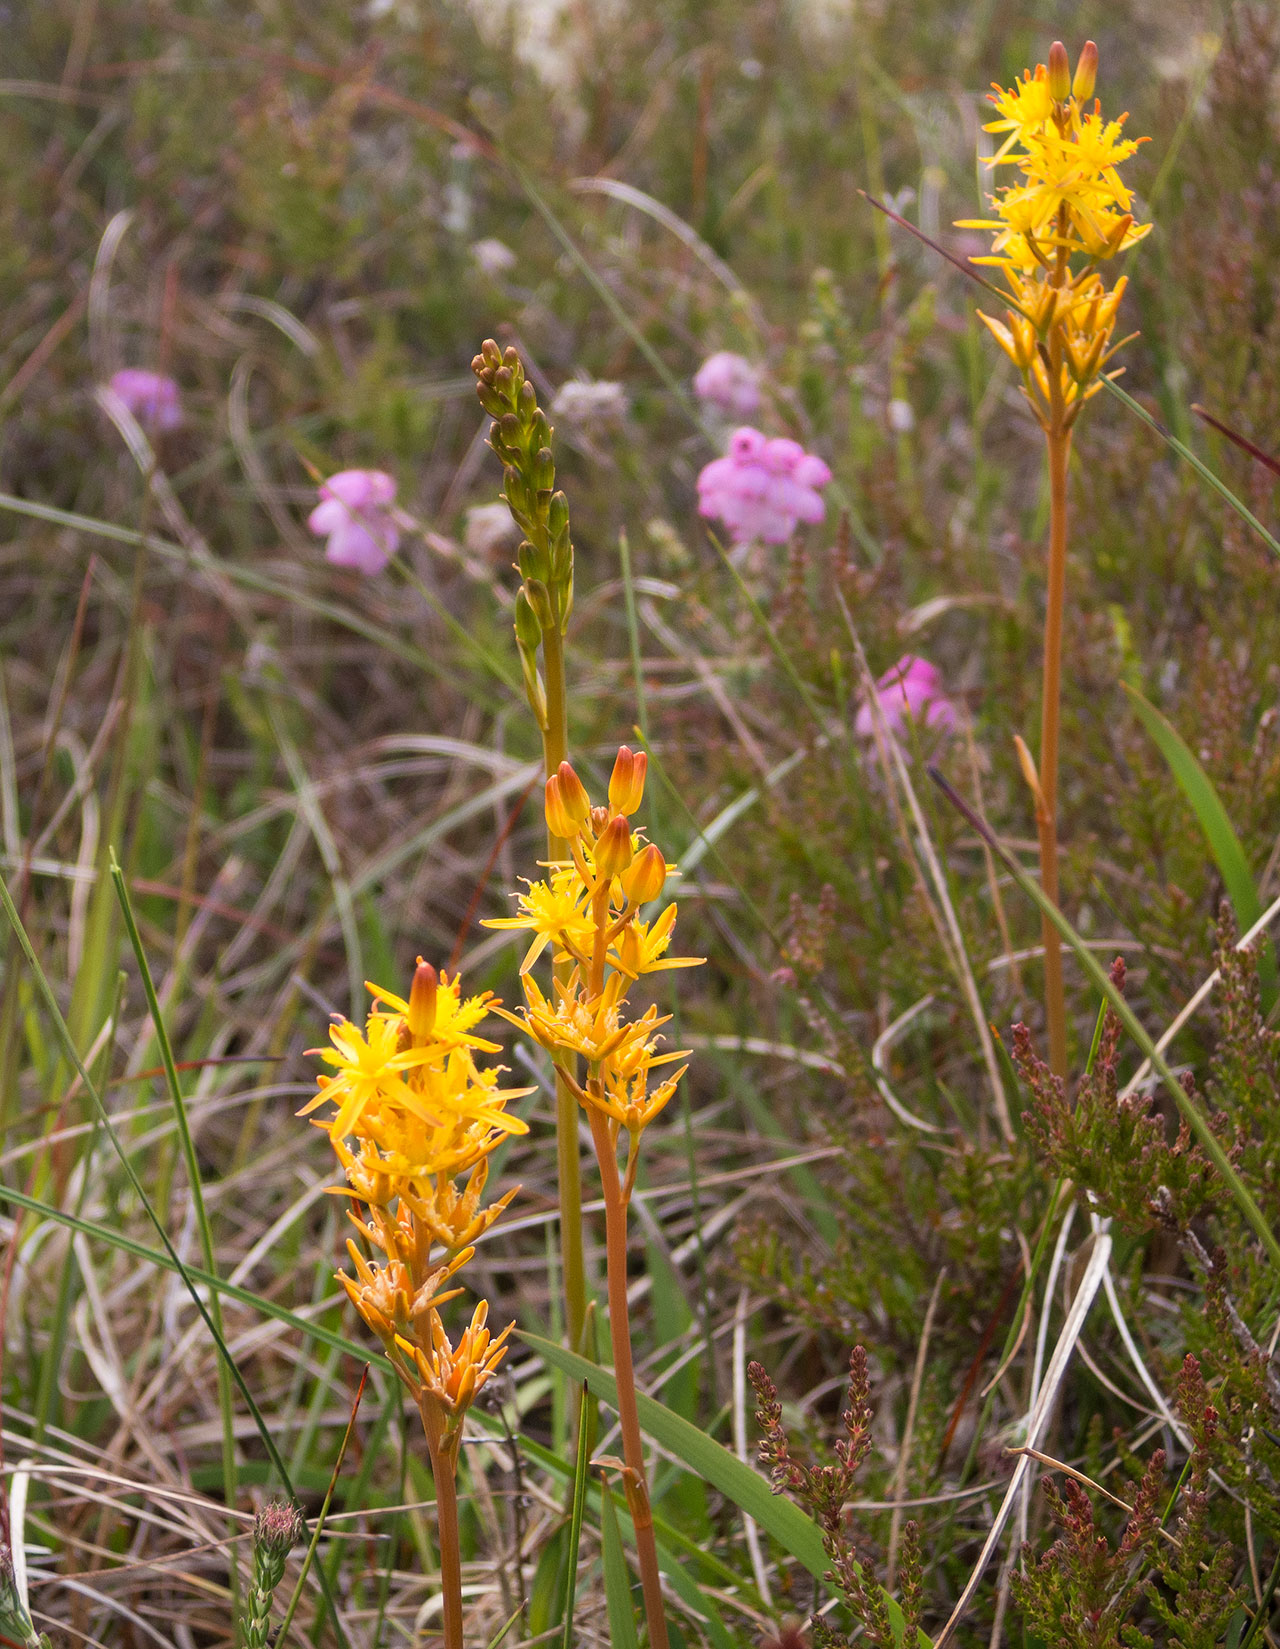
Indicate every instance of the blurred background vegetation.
{"type": "Point", "coordinates": [310, 216]}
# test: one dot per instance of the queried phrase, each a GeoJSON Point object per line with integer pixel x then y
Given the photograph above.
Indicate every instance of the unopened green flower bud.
{"type": "Point", "coordinates": [528, 630]}
{"type": "Point", "coordinates": [544, 470]}
{"type": "Point", "coordinates": [528, 401]}
{"type": "Point", "coordinates": [540, 601]}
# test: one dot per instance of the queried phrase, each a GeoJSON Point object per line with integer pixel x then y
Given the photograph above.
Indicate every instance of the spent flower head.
{"type": "Point", "coordinates": [1066, 213]}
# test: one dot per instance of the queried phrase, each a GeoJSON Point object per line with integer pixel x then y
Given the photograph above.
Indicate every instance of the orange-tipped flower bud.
{"type": "Point", "coordinates": [1086, 72]}
{"type": "Point", "coordinates": [574, 794]}
{"type": "Point", "coordinates": [560, 822]}
{"type": "Point", "coordinates": [626, 786]}
{"type": "Point", "coordinates": [648, 873]}
{"type": "Point", "coordinates": [422, 1002]}
{"type": "Point", "coordinates": [1059, 73]}
{"type": "Point", "coordinates": [613, 852]}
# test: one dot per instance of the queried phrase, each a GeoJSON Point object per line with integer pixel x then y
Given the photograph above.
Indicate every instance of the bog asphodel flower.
{"type": "Point", "coordinates": [589, 912]}
{"type": "Point", "coordinates": [413, 1112]}
{"type": "Point", "coordinates": [1066, 214]}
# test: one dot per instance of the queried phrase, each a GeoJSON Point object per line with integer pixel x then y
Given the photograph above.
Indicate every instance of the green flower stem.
{"type": "Point", "coordinates": [555, 749]}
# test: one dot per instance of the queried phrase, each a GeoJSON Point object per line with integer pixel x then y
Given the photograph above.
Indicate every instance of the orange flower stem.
{"type": "Point", "coordinates": [555, 749]}
{"type": "Point", "coordinates": [1059, 444]}
{"type": "Point", "coordinates": [635, 1482]}
{"type": "Point", "coordinates": [444, 1472]}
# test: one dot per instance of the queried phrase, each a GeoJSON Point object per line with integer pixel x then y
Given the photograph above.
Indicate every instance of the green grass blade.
{"type": "Point", "coordinates": [1224, 844]}
{"type": "Point", "coordinates": [575, 1516]}
{"type": "Point", "coordinates": [1098, 974]}
{"type": "Point", "coordinates": [798, 1534]}
{"type": "Point", "coordinates": [226, 1398]}
{"type": "Point", "coordinates": [617, 1577]}
{"type": "Point", "coordinates": [1202, 469]}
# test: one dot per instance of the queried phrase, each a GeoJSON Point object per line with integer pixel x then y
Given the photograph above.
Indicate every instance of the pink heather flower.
{"type": "Point", "coordinates": [150, 397]}
{"type": "Point", "coordinates": [354, 515]}
{"type": "Point", "coordinates": [762, 488]}
{"type": "Point", "coordinates": [729, 382]}
{"type": "Point", "coordinates": [911, 691]}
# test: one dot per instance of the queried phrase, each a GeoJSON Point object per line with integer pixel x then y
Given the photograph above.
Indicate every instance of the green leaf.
{"type": "Point", "coordinates": [575, 1519]}
{"type": "Point", "coordinates": [1224, 844]}
{"type": "Point", "coordinates": [797, 1534]}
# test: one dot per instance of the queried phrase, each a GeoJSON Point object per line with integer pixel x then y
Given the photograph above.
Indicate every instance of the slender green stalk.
{"type": "Point", "coordinates": [555, 749]}
{"type": "Point", "coordinates": [226, 1397]}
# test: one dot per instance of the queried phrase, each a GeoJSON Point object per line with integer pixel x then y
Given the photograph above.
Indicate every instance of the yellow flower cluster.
{"type": "Point", "coordinates": [413, 1113]}
{"type": "Point", "coordinates": [588, 911]}
{"type": "Point", "coordinates": [1069, 205]}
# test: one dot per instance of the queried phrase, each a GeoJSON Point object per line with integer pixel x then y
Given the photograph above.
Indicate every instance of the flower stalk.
{"type": "Point", "coordinates": [1064, 217]}
{"type": "Point", "coordinates": [588, 911]}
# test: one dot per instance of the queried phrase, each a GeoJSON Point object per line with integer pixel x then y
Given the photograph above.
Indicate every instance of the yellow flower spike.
{"type": "Point", "coordinates": [423, 994]}
{"type": "Point", "coordinates": [613, 851]}
{"type": "Point", "coordinates": [626, 783]}
{"type": "Point", "coordinates": [646, 877]}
